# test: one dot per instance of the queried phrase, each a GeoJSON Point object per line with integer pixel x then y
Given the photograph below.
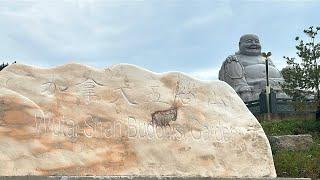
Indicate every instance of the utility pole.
{"type": "Point", "coordinates": [268, 89]}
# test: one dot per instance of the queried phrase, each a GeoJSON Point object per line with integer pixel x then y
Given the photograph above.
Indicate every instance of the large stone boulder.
{"type": "Point", "coordinates": [125, 120]}
{"type": "Point", "coordinates": [291, 142]}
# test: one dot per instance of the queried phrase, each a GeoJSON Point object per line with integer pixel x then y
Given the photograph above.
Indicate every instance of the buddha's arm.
{"type": "Point", "coordinates": [233, 73]}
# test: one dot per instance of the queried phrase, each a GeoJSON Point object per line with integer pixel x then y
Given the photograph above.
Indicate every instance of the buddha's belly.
{"type": "Point", "coordinates": [258, 71]}
{"type": "Point", "coordinates": [256, 77]}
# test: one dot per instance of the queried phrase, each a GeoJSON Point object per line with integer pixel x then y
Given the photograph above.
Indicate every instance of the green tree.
{"type": "Point", "coordinates": [302, 75]}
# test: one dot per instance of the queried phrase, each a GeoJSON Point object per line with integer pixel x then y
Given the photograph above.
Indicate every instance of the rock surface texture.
{"type": "Point", "coordinates": [125, 120]}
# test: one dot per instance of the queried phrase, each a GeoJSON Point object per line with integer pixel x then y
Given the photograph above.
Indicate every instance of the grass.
{"type": "Point", "coordinates": [296, 163]}
{"type": "Point", "coordinates": [291, 127]}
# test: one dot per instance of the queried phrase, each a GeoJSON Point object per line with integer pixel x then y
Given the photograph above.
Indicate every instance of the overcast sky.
{"type": "Point", "coordinates": [193, 36]}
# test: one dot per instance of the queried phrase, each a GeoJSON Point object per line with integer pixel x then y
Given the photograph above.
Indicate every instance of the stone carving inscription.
{"type": "Point", "coordinates": [48, 88]}
{"type": "Point", "coordinates": [185, 91]}
{"type": "Point", "coordinates": [120, 91]}
{"type": "Point", "coordinates": [88, 90]}
{"type": "Point", "coordinates": [163, 118]}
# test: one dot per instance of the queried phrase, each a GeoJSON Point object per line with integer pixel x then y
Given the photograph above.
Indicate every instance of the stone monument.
{"type": "Point", "coordinates": [125, 121]}
{"type": "Point", "coordinates": [246, 70]}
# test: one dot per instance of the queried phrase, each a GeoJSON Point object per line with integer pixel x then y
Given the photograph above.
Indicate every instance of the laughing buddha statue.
{"type": "Point", "coordinates": [246, 70]}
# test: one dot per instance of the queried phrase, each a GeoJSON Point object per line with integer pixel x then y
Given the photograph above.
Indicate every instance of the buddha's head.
{"type": "Point", "coordinates": [249, 45]}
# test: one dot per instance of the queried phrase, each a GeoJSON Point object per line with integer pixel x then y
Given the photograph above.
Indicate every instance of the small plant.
{"type": "Point", "coordinates": [3, 65]}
